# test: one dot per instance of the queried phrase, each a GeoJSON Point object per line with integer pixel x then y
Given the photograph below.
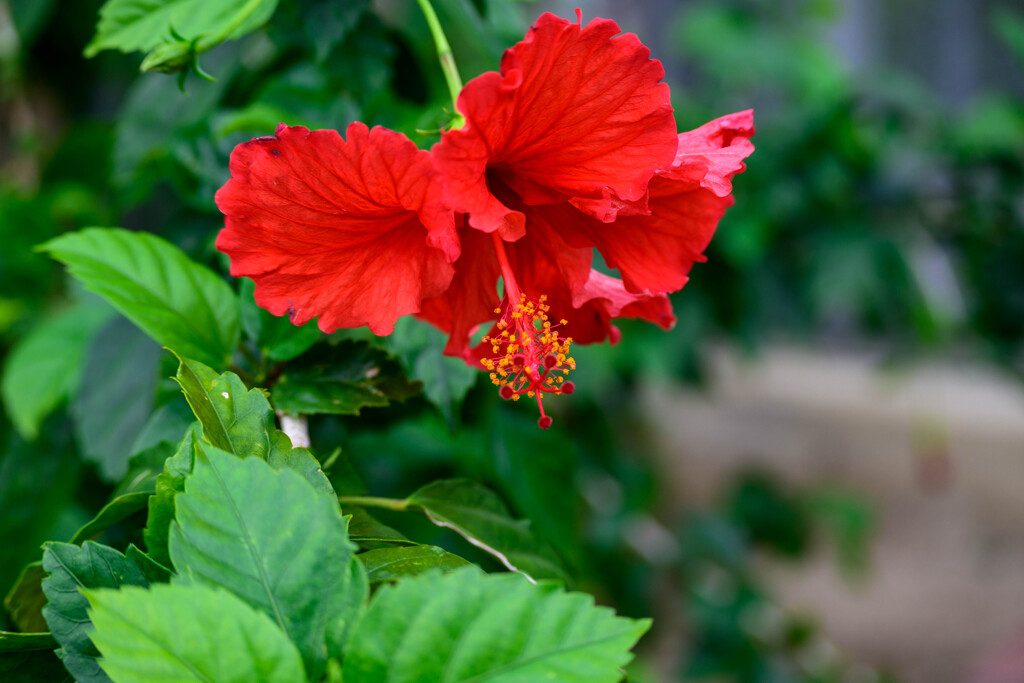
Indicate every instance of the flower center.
{"type": "Point", "coordinates": [530, 356]}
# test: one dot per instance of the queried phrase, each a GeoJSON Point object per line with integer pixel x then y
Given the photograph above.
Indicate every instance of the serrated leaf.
{"type": "Point", "coordinates": [115, 511]}
{"type": "Point", "coordinates": [480, 517]}
{"type": "Point", "coordinates": [187, 633]}
{"type": "Point", "coordinates": [176, 301]}
{"type": "Point", "coordinates": [119, 385]}
{"type": "Point", "coordinates": [45, 367]}
{"type": "Point", "coordinates": [166, 27]}
{"type": "Point", "coordinates": [70, 569]}
{"type": "Point", "coordinates": [269, 538]}
{"type": "Point", "coordinates": [169, 484]}
{"type": "Point", "coordinates": [239, 420]}
{"type": "Point", "coordinates": [470, 626]}
{"type": "Point", "coordinates": [150, 568]}
{"type": "Point", "coordinates": [275, 335]}
{"type": "Point", "coordinates": [341, 380]}
{"type": "Point", "coordinates": [446, 380]}
{"type": "Point", "coordinates": [392, 564]}
{"type": "Point", "coordinates": [25, 601]}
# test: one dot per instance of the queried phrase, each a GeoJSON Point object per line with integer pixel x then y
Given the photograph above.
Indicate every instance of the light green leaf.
{"type": "Point", "coordinates": [169, 484]}
{"type": "Point", "coordinates": [240, 421]}
{"type": "Point", "coordinates": [25, 601]}
{"type": "Point", "coordinates": [420, 348]}
{"type": "Point", "coordinates": [478, 515]}
{"type": "Point", "coordinates": [118, 391]}
{"type": "Point", "coordinates": [275, 335]}
{"type": "Point", "coordinates": [469, 626]}
{"type": "Point", "coordinates": [176, 301]}
{"type": "Point", "coordinates": [269, 538]}
{"type": "Point", "coordinates": [392, 564]}
{"type": "Point", "coordinates": [45, 367]}
{"type": "Point", "coordinates": [70, 569]}
{"type": "Point", "coordinates": [188, 633]}
{"type": "Point", "coordinates": [341, 380]}
{"type": "Point", "coordinates": [171, 29]}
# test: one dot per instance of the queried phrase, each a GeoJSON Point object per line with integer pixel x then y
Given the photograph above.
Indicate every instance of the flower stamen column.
{"type": "Point", "coordinates": [530, 356]}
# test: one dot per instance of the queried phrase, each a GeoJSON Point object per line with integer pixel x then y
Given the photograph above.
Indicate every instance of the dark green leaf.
{"type": "Point", "coordinates": [392, 564]}
{"type": "Point", "coordinates": [45, 367]}
{"type": "Point", "coordinates": [173, 30]}
{"type": "Point", "coordinates": [25, 601]}
{"type": "Point", "coordinates": [270, 538]}
{"type": "Point", "coordinates": [33, 667]}
{"type": "Point", "coordinates": [117, 395]}
{"type": "Point", "coordinates": [144, 467]}
{"type": "Point", "coordinates": [189, 632]}
{"type": "Point", "coordinates": [240, 421]}
{"type": "Point", "coordinates": [446, 380]}
{"type": "Point", "coordinates": [275, 336]}
{"type": "Point", "coordinates": [169, 484]}
{"type": "Point", "coordinates": [179, 303]}
{"type": "Point", "coordinates": [26, 642]}
{"type": "Point", "coordinates": [115, 511]}
{"type": "Point", "coordinates": [368, 533]}
{"type": "Point", "coordinates": [341, 380]}
{"type": "Point", "coordinates": [70, 569]}
{"type": "Point", "coordinates": [168, 423]}
{"type": "Point", "coordinates": [328, 22]}
{"type": "Point", "coordinates": [479, 516]}
{"type": "Point", "coordinates": [151, 569]}
{"type": "Point", "coordinates": [498, 628]}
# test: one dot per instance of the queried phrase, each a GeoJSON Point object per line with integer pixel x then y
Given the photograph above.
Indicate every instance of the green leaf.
{"type": "Point", "coordinates": [188, 633]}
{"type": "Point", "coordinates": [328, 22]}
{"type": "Point", "coordinates": [179, 303]}
{"type": "Point", "coordinates": [392, 564]}
{"type": "Point", "coordinates": [26, 642]}
{"type": "Point", "coordinates": [275, 335]}
{"type": "Point", "coordinates": [269, 538]}
{"type": "Point", "coordinates": [368, 533]}
{"type": "Point", "coordinates": [478, 515]}
{"type": "Point", "coordinates": [25, 601]}
{"type": "Point", "coordinates": [341, 380]}
{"type": "Point", "coordinates": [174, 30]}
{"type": "Point", "coordinates": [70, 569]}
{"type": "Point", "coordinates": [118, 391]}
{"type": "Point", "coordinates": [45, 367]}
{"type": "Point", "coordinates": [240, 421]}
{"type": "Point", "coordinates": [169, 484]}
{"type": "Point", "coordinates": [469, 626]}
{"type": "Point", "coordinates": [117, 510]}
{"type": "Point", "coordinates": [446, 380]}
{"type": "Point", "coordinates": [151, 569]}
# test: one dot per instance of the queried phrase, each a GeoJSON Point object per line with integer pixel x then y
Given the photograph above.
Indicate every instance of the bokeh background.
{"type": "Point", "coordinates": [818, 475]}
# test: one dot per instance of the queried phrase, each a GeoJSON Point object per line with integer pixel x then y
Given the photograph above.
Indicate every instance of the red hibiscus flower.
{"type": "Point", "coordinates": [571, 147]}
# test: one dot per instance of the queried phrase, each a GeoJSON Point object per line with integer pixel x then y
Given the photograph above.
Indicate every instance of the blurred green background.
{"type": "Point", "coordinates": [815, 476]}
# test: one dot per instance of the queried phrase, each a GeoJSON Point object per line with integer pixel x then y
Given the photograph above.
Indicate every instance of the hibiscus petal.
{"type": "Point", "coordinates": [654, 253]}
{"type": "Point", "coordinates": [712, 154]}
{"type": "Point", "coordinates": [472, 296]}
{"type": "Point", "coordinates": [354, 231]}
{"type": "Point", "coordinates": [575, 113]}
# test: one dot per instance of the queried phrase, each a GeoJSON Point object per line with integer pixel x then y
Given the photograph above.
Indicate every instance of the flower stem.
{"type": "Point", "coordinates": [447, 59]}
{"type": "Point", "coordinates": [374, 502]}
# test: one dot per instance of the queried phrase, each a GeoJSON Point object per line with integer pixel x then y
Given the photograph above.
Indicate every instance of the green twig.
{"type": "Point", "coordinates": [374, 502]}
{"type": "Point", "coordinates": [447, 59]}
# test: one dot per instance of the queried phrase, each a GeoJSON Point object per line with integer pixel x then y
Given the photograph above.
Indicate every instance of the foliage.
{"type": "Point", "coordinates": [875, 220]}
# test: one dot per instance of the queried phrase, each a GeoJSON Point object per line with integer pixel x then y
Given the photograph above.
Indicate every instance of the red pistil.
{"type": "Point", "coordinates": [530, 356]}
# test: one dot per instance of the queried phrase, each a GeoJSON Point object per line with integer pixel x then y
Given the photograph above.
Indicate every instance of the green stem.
{"type": "Point", "coordinates": [374, 502]}
{"type": "Point", "coordinates": [447, 59]}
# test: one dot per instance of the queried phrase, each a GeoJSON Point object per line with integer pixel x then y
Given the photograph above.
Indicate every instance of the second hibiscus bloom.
{"type": "Point", "coordinates": [571, 147]}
